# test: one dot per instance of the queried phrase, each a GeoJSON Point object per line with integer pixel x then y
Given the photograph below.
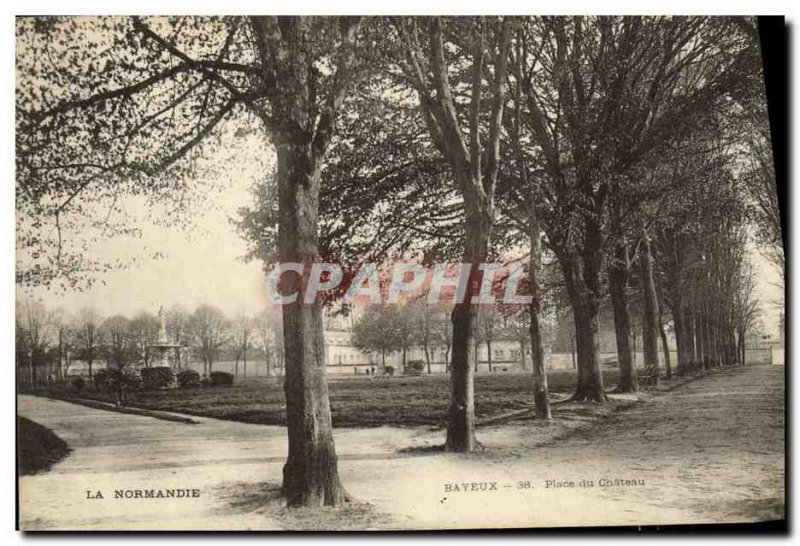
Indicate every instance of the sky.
{"type": "Point", "coordinates": [768, 292]}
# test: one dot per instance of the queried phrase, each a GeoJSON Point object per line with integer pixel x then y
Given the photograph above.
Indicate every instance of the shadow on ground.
{"type": "Point", "coordinates": [265, 500]}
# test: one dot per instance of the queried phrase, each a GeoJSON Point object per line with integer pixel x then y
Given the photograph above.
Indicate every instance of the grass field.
{"type": "Point", "coordinates": [356, 402]}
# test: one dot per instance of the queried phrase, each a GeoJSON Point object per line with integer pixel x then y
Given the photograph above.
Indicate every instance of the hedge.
{"type": "Point", "coordinates": [414, 367]}
{"type": "Point", "coordinates": [159, 377]}
{"type": "Point", "coordinates": [188, 379]}
{"type": "Point", "coordinates": [220, 379]}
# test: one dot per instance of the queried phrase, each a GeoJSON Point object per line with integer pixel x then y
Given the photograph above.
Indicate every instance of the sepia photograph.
{"type": "Point", "coordinates": [399, 273]}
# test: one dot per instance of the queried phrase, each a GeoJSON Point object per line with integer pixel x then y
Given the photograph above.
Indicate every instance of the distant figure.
{"type": "Point", "coordinates": [355, 370]}
{"type": "Point", "coordinates": [373, 370]}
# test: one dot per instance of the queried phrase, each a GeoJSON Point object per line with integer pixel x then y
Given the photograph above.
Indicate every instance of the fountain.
{"type": "Point", "coordinates": [162, 345]}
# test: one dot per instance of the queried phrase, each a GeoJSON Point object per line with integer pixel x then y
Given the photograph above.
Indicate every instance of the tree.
{"type": "Point", "coordinates": [699, 250]}
{"type": "Point", "coordinates": [443, 328]}
{"type": "Point", "coordinates": [379, 331]}
{"type": "Point", "coordinates": [88, 338]}
{"type": "Point", "coordinates": [209, 329]}
{"type": "Point", "coordinates": [744, 308]}
{"type": "Point", "coordinates": [488, 326]}
{"type": "Point", "coordinates": [407, 330]}
{"type": "Point", "coordinates": [517, 327]}
{"type": "Point", "coordinates": [35, 322]}
{"type": "Point", "coordinates": [481, 44]}
{"type": "Point", "coordinates": [144, 331]}
{"type": "Point", "coordinates": [758, 175]}
{"type": "Point", "coordinates": [662, 329]}
{"type": "Point", "coordinates": [243, 328]}
{"type": "Point", "coordinates": [650, 312]}
{"type": "Point", "coordinates": [304, 116]}
{"type": "Point", "coordinates": [119, 345]}
{"type": "Point", "coordinates": [618, 277]}
{"type": "Point", "coordinates": [423, 319]}
{"type": "Point", "coordinates": [599, 96]}
{"type": "Point", "coordinates": [125, 112]}
{"type": "Point", "coordinates": [270, 339]}
{"type": "Point", "coordinates": [177, 323]}
{"type": "Point", "coordinates": [385, 191]}
{"type": "Point", "coordinates": [64, 334]}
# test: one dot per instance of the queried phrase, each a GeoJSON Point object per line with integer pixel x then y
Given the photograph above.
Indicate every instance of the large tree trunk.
{"type": "Point", "coordinates": [691, 347]}
{"type": "Point", "coordinates": [475, 169]}
{"type": "Point", "coordinates": [698, 338]}
{"type": "Point", "coordinates": [523, 361]}
{"type": "Point", "coordinates": [661, 330]}
{"type": "Point", "coordinates": [582, 278]}
{"type": "Point", "coordinates": [585, 312]}
{"type": "Point", "coordinates": [461, 426]}
{"type": "Point", "coordinates": [650, 313]}
{"type": "Point", "coordinates": [618, 275]}
{"type": "Point", "coordinates": [60, 354]}
{"type": "Point", "coordinates": [541, 394]}
{"type": "Point", "coordinates": [714, 339]}
{"type": "Point", "coordinates": [310, 475]}
{"type": "Point", "coordinates": [587, 340]}
{"type": "Point", "coordinates": [743, 346]}
{"type": "Point", "coordinates": [680, 344]}
{"type": "Point", "coordinates": [665, 348]}
{"type": "Point", "coordinates": [706, 343]}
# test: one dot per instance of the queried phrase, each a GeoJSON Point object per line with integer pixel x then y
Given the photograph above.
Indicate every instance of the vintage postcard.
{"type": "Point", "coordinates": [398, 273]}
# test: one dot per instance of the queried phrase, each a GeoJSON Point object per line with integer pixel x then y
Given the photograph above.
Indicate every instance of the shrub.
{"type": "Point", "coordinates": [188, 379]}
{"type": "Point", "coordinates": [101, 379]}
{"type": "Point", "coordinates": [78, 383]}
{"type": "Point", "coordinates": [122, 381]}
{"type": "Point", "coordinates": [388, 370]}
{"type": "Point", "coordinates": [220, 379]}
{"type": "Point", "coordinates": [39, 448]}
{"type": "Point", "coordinates": [414, 367]}
{"type": "Point", "coordinates": [159, 377]}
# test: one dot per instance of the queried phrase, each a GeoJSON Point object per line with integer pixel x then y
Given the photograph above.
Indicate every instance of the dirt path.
{"type": "Point", "coordinates": [709, 451]}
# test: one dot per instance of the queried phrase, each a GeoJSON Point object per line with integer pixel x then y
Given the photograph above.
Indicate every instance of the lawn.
{"type": "Point", "coordinates": [356, 402]}
{"type": "Point", "coordinates": [39, 447]}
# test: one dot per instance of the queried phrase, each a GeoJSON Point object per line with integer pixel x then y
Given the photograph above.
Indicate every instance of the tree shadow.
{"type": "Point", "coordinates": [265, 503]}
{"type": "Point", "coordinates": [247, 497]}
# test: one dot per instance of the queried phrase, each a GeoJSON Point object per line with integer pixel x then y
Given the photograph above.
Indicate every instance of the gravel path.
{"type": "Point", "coordinates": [709, 451]}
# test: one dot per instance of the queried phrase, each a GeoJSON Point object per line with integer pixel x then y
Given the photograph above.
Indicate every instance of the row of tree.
{"type": "Point", "coordinates": [48, 342]}
{"type": "Point", "coordinates": [620, 147]}
{"type": "Point", "coordinates": [384, 330]}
